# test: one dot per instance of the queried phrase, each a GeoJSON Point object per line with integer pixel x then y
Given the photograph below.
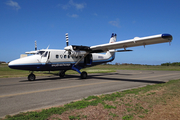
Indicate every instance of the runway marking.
{"type": "Point", "coordinates": [53, 89]}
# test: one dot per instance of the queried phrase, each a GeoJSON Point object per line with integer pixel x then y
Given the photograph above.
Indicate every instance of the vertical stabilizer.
{"type": "Point", "coordinates": [113, 38]}
{"type": "Point", "coordinates": [111, 53]}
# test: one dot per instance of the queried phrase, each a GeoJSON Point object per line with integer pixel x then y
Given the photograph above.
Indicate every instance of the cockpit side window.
{"type": "Point", "coordinates": [40, 52]}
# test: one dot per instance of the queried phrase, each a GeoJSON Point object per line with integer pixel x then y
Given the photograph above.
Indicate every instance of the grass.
{"type": "Point", "coordinates": [140, 103]}
{"type": "Point", "coordinates": [6, 72]}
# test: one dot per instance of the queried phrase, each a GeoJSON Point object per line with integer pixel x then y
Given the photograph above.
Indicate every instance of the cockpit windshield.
{"type": "Point", "coordinates": [40, 52]}
{"type": "Point", "coordinates": [45, 54]}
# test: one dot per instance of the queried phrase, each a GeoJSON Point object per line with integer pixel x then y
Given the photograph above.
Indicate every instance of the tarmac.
{"type": "Point", "coordinates": [20, 95]}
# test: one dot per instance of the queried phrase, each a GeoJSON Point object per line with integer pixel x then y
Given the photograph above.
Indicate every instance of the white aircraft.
{"type": "Point", "coordinates": [75, 57]}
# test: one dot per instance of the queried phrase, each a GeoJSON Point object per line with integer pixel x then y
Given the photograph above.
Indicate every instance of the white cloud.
{"type": "Point", "coordinates": [65, 7]}
{"type": "Point", "coordinates": [115, 23]}
{"type": "Point", "coordinates": [95, 14]}
{"type": "Point", "coordinates": [71, 3]}
{"type": "Point", "coordinates": [13, 4]}
{"type": "Point", "coordinates": [78, 6]}
{"type": "Point", "coordinates": [73, 15]}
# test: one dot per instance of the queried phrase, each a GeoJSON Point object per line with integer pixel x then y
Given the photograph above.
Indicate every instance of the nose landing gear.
{"type": "Point", "coordinates": [31, 77]}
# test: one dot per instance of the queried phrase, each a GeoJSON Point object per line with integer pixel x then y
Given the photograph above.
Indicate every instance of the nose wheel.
{"type": "Point", "coordinates": [31, 77]}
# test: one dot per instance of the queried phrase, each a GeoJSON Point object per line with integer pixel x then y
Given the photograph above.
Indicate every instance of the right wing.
{"type": "Point", "coordinates": [155, 39]}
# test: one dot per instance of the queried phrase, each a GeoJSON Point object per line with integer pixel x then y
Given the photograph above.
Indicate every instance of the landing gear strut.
{"type": "Point", "coordinates": [31, 77]}
{"type": "Point", "coordinates": [83, 74]}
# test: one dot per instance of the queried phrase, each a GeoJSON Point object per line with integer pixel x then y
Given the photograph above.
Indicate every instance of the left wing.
{"type": "Point", "coordinates": [155, 39]}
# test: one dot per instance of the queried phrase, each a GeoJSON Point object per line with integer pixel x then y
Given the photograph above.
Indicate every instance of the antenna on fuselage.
{"type": "Point", "coordinates": [35, 45]}
{"type": "Point", "coordinates": [67, 40]}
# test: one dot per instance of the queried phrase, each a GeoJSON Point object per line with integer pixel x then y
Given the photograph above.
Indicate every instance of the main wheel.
{"type": "Point", "coordinates": [31, 77]}
{"type": "Point", "coordinates": [62, 73]}
{"type": "Point", "coordinates": [84, 75]}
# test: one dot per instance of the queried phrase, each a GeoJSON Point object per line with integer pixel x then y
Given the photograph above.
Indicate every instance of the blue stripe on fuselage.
{"type": "Point", "coordinates": [57, 65]}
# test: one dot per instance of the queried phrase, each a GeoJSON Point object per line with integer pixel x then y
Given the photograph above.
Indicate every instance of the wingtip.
{"type": "Point", "coordinates": [167, 36]}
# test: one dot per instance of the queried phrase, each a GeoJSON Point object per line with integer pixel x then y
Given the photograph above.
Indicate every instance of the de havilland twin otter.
{"type": "Point", "coordinates": [75, 57]}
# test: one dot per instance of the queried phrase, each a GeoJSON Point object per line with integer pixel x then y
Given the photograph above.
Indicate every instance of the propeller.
{"type": "Point", "coordinates": [67, 39]}
{"type": "Point", "coordinates": [35, 45]}
{"type": "Point", "coordinates": [67, 48]}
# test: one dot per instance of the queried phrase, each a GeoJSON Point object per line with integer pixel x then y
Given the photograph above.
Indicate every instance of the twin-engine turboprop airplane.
{"type": "Point", "coordinates": [75, 57]}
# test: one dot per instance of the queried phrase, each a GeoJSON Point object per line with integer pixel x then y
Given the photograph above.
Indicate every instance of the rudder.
{"type": "Point", "coordinates": [113, 38]}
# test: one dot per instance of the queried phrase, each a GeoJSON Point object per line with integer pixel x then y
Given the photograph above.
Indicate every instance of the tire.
{"type": "Point", "coordinates": [62, 74]}
{"type": "Point", "coordinates": [83, 75]}
{"type": "Point", "coordinates": [31, 77]}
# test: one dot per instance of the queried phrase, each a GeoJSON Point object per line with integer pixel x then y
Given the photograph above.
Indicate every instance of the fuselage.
{"type": "Point", "coordinates": [52, 59]}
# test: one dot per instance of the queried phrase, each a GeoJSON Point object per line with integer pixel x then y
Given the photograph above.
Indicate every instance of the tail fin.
{"type": "Point", "coordinates": [113, 38]}
{"type": "Point", "coordinates": [111, 53]}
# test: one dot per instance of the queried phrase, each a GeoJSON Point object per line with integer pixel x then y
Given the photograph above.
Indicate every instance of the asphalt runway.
{"type": "Point", "coordinates": [20, 95]}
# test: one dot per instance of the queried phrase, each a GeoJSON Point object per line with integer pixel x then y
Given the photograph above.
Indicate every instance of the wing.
{"type": "Point", "coordinates": [32, 52]}
{"type": "Point", "coordinates": [155, 39]}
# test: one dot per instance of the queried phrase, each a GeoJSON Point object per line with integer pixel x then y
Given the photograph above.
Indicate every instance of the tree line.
{"type": "Point", "coordinates": [171, 64]}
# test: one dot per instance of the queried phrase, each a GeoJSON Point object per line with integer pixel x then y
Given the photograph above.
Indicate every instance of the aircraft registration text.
{"type": "Point", "coordinates": [57, 65]}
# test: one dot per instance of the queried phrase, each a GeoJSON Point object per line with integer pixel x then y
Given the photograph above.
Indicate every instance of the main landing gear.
{"type": "Point", "coordinates": [83, 74]}
{"type": "Point", "coordinates": [62, 73]}
{"type": "Point", "coordinates": [31, 77]}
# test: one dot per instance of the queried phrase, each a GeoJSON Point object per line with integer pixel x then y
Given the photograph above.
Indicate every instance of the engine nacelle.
{"type": "Point", "coordinates": [68, 48]}
{"type": "Point", "coordinates": [77, 48]}
{"type": "Point", "coordinates": [77, 53]}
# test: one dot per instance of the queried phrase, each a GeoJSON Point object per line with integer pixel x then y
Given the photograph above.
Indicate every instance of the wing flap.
{"type": "Point", "coordinates": [161, 38]}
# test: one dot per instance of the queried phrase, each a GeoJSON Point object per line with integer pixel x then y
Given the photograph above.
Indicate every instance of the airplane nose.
{"type": "Point", "coordinates": [13, 63]}
{"type": "Point", "coordinates": [25, 63]}
{"type": "Point", "coordinates": [10, 63]}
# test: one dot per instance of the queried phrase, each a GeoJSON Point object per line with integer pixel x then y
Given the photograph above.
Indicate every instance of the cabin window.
{"type": "Point", "coordinates": [57, 56]}
{"type": "Point", "coordinates": [68, 56]}
{"type": "Point", "coordinates": [80, 57]}
{"type": "Point", "coordinates": [65, 56]}
{"type": "Point", "coordinates": [76, 57]}
{"type": "Point", "coordinates": [61, 56]}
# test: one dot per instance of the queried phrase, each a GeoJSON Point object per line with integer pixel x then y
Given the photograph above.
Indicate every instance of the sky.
{"type": "Point", "coordinates": [89, 23]}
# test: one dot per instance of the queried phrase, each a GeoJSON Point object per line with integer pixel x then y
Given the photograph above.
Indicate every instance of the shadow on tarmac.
{"type": "Point", "coordinates": [96, 76]}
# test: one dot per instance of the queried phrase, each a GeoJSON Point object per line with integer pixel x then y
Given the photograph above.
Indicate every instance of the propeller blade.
{"type": "Point", "coordinates": [67, 40]}
{"type": "Point", "coordinates": [35, 45]}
